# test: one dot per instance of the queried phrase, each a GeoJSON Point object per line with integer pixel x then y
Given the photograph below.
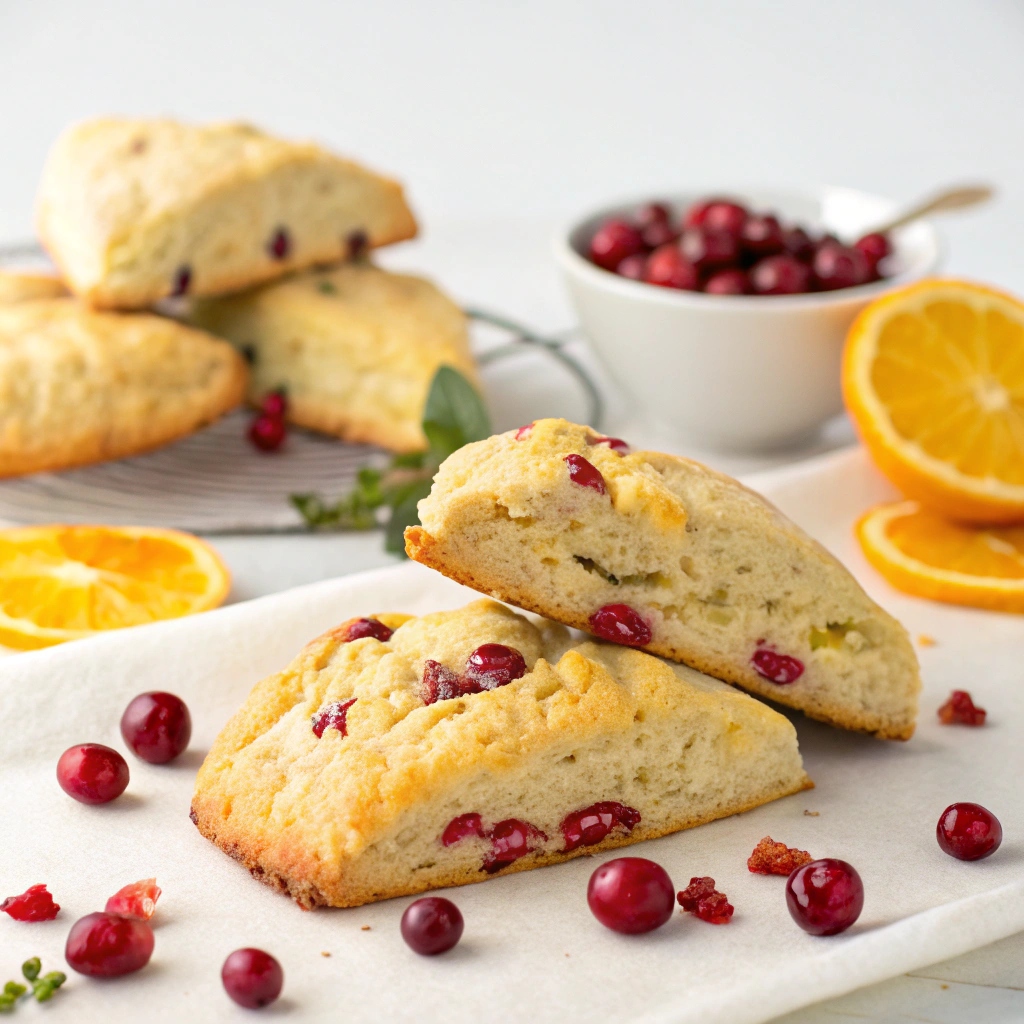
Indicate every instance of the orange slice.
{"type": "Point", "coordinates": [62, 583]}
{"type": "Point", "coordinates": [933, 376]}
{"type": "Point", "coordinates": [926, 555]}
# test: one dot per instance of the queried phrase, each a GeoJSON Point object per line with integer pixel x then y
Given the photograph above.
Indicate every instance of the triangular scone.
{"type": "Point", "coordinates": [136, 210]}
{"type": "Point", "coordinates": [695, 567]}
{"type": "Point", "coordinates": [78, 386]}
{"type": "Point", "coordinates": [354, 347]}
{"type": "Point", "coordinates": [372, 768]}
{"type": "Point", "coordinates": [28, 285]}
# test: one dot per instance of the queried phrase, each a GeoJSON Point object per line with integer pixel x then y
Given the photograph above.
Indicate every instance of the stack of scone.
{"type": "Point", "coordinates": [399, 754]}
{"type": "Point", "coordinates": [259, 234]}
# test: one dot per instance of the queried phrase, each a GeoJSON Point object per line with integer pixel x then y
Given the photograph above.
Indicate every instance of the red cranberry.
{"type": "Point", "coordinates": [107, 945]}
{"type": "Point", "coordinates": [616, 444]}
{"type": "Point", "coordinates": [874, 248]}
{"type": "Point", "coordinates": [634, 267]}
{"type": "Point", "coordinates": [34, 904]}
{"type": "Point", "coordinates": [707, 248]}
{"type": "Point", "coordinates": [431, 925]}
{"type": "Point", "coordinates": [960, 709]}
{"type": "Point", "coordinates": [267, 432]}
{"type": "Point", "coordinates": [775, 667]}
{"type": "Point", "coordinates": [825, 896]}
{"type": "Point", "coordinates": [524, 432]}
{"type": "Point", "coordinates": [621, 625]}
{"type": "Point", "coordinates": [717, 214]}
{"type": "Point", "coordinates": [510, 840]}
{"type": "Point", "coordinates": [613, 241]}
{"type": "Point", "coordinates": [494, 665]}
{"type": "Point", "coordinates": [657, 235]}
{"type": "Point", "coordinates": [368, 627]}
{"type": "Point", "coordinates": [252, 978]}
{"type": "Point", "coordinates": [592, 824]}
{"type": "Point", "coordinates": [357, 243]}
{"type": "Point", "coordinates": [439, 682]}
{"type": "Point", "coordinates": [182, 280]}
{"type": "Point", "coordinates": [275, 404]}
{"type": "Point", "coordinates": [631, 895]}
{"type": "Point", "coordinates": [280, 245]}
{"type": "Point", "coordinates": [839, 266]}
{"type": "Point", "coordinates": [701, 898]}
{"type": "Point", "coordinates": [652, 213]}
{"type": "Point", "coordinates": [780, 275]}
{"type": "Point", "coordinates": [156, 726]}
{"type": "Point", "coordinates": [798, 243]}
{"type": "Point", "coordinates": [968, 831]}
{"type": "Point", "coordinates": [332, 716]}
{"type": "Point", "coordinates": [137, 900]}
{"type": "Point", "coordinates": [728, 282]}
{"type": "Point", "coordinates": [668, 268]}
{"type": "Point", "coordinates": [461, 827]}
{"type": "Point", "coordinates": [761, 236]}
{"type": "Point", "coordinates": [92, 773]}
{"type": "Point", "coordinates": [584, 473]}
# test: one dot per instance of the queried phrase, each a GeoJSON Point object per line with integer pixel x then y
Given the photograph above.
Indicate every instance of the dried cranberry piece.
{"type": "Point", "coordinates": [968, 831]}
{"type": "Point", "coordinates": [267, 433]}
{"type": "Point", "coordinates": [368, 627]}
{"type": "Point", "coordinates": [613, 241]}
{"type": "Point", "coordinates": [494, 665]}
{"type": "Point", "coordinates": [616, 444]}
{"type": "Point", "coordinates": [280, 244]}
{"type": "Point", "coordinates": [439, 682]}
{"type": "Point", "coordinates": [252, 978]}
{"type": "Point", "coordinates": [332, 716]}
{"type": "Point", "coordinates": [510, 840]}
{"type": "Point", "coordinates": [701, 898]}
{"type": "Point", "coordinates": [772, 858]}
{"type": "Point", "coordinates": [156, 726]}
{"type": "Point", "coordinates": [825, 896]}
{"type": "Point", "coordinates": [592, 825]}
{"type": "Point", "coordinates": [621, 625]}
{"type": "Point", "coordinates": [92, 773]}
{"type": "Point", "coordinates": [34, 904]}
{"type": "Point", "coordinates": [960, 709]}
{"type": "Point", "coordinates": [357, 243]}
{"type": "Point", "coordinates": [584, 473]}
{"type": "Point", "coordinates": [462, 826]}
{"type": "Point", "coordinates": [776, 668]}
{"type": "Point", "coordinates": [631, 895]}
{"type": "Point", "coordinates": [137, 900]}
{"type": "Point", "coordinates": [432, 925]}
{"type": "Point", "coordinates": [696, 890]}
{"type": "Point", "coordinates": [107, 945]}
{"type": "Point", "coordinates": [523, 432]}
{"type": "Point", "coordinates": [182, 281]}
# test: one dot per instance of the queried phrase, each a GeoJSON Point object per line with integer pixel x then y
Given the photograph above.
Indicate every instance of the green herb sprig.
{"type": "Point", "coordinates": [42, 987]}
{"type": "Point", "coordinates": [453, 416]}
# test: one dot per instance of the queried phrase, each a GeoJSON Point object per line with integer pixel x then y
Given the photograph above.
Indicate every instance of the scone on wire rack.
{"type": "Point", "coordinates": [79, 386]}
{"type": "Point", "coordinates": [399, 754]}
{"type": "Point", "coordinates": [28, 285]}
{"type": "Point", "coordinates": [134, 211]}
{"type": "Point", "coordinates": [354, 347]}
{"type": "Point", "coordinates": [659, 552]}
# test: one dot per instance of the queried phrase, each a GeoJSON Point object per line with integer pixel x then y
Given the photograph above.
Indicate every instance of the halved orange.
{"type": "Point", "coordinates": [926, 555]}
{"type": "Point", "coordinates": [933, 376]}
{"type": "Point", "coordinates": [61, 583]}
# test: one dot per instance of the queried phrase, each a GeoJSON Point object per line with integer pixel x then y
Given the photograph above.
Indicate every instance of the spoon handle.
{"type": "Point", "coordinates": [957, 198]}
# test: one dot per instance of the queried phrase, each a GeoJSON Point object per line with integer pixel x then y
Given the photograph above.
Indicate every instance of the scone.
{"type": "Point", "coordinates": [660, 552]}
{"type": "Point", "coordinates": [355, 348]}
{"type": "Point", "coordinates": [396, 755]}
{"type": "Point", "coordinates": [136, 210]}
{"type": "Point", "coordinates": [26, 285]}
{"type": "Point", "coordinates": [79, 386]}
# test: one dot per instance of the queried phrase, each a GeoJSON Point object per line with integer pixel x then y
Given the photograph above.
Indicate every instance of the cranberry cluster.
{"type": "Point", "coordinates": [722, 248]}
{"type": "Point", "coordinates": [267, 431]}
{"type": "Point", "coordinates": [487, 668]}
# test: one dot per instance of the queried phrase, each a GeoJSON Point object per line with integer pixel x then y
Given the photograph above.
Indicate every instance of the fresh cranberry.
{"type": "Point", "coordinates": [728, 282]}
{"type": "Point", "coordinates": [701, 898]}
{"type": "Point", "coordinates": [825, 896]}
{"type": "Point", "coordinates": [616, 444]}
{"type": "Point", "coordinates": [776, 668]}
{"type": "Point", "coordinates": [798, 243]}
{"type": "Point", "coordinates": [463, 826]}
{"type": "Point", "coordinates": [494, 665]}
{"type": "Point", "coordinates": [524, 432]}
{"type": "Point", "coordinates": [652, 213]}
{"type": "Point", "coordinates": [106, 945]}
{"type": "Point", "coordinates": [510, 840]}
{"type": "Point", "coordinates": [267, 432]}
{"type": "Point", "coordinates": [431, 925]}
{"type": "Point", "coordinates": [252, 978]}
{"type": "Point", "coordinates": [275, 404]}
{"type": "Point", "coordinates": [761, 236]}
{"type": "Point", "coordinates": [717, 214]}
{"type": "Point", "coordinates": [621, 625]}
{"type": "Point", "coordinates": [182, 280]}
{"type": "Point", "coordinates": [668, 268]}
{"type": "Point", "coordinates": [631, 895]}
{"type": "Point", "coordinates": [613, 241]}
{"type": "Point", "coordinates": [439, 682]}
{"type": "Point", "coordinates": [874, 248]}
{"type": "Point", "coordinates": [332, 716]}
{"type": "Point", "coordinates": [657, 235]}
{"type": "Point", "coordinates": [839, 266]}
{"type": "Point", "coordinates": [584, 473]}
{"type": "Point", "coordinates": [34, 904]}
{"type": "Point", "coordinates": [780, 275]}
{"type": "Point", "coordinates": [156, 726]}
{"type": "Point", "coordinates": [137, 900]}
{"type": "Point", "coordinates": [593, 824]}
{"type": "Point", "coordinates": [92, 773]}
{"type": "Point", "coordinates": [707, 248]}
{"type": "Point", "coordinates": [362, 628]}
{"type": "Point", "coordinates": [968, 831]}
{"type": "Point", "coordinates": [960, 709]}
{"type": "Point", "coordinates": [357, 243]}
{"type": "Point", "coordinates": [280, 244]}
{"type": "Point", "coordinates": [634, 267]}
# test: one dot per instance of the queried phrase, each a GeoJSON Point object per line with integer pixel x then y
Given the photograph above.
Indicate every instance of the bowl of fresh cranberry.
{"type": "Point", "coordinates": [723, 317]}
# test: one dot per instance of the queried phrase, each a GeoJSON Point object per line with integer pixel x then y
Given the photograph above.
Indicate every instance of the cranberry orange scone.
{"type": "Point", "coordinates": [400, 754]}
{"type": "Point", "coordinates": [354, 347]}
{"type": "Point", "coordinates": [660, 552]}
{"type": "Point", "coordinates": [26, 285]}
{"type": "Point", "coordinates": [134, 211]}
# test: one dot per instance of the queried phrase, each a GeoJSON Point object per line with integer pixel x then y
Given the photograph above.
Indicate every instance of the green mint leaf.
{"type": "Point", "coordinates": [31, 968]}
{"type": "Point", "coordinates": [403, 514]}
{"type": "Point", "coordinates": [443, 441]}
{"type": "Point", "coordinates": [454, 414]}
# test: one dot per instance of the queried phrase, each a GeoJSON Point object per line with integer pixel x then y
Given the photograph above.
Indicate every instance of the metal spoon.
{"type": "Point", "coordinates": [959, 197]}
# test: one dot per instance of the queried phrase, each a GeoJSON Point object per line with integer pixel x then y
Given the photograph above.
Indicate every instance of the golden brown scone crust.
{"type": "Point", "coordinates": [355, 348]}
{"type": "Point", "coordinates": [27, 285]}
{"type": "Point", "coordinates": [346, 820]}
{"type": "Point", "coordinates": [126, 206]}
{"type": "Point", "coordinates": [715, 570]}
{"type": "Point", "coordinates": [79, 386]}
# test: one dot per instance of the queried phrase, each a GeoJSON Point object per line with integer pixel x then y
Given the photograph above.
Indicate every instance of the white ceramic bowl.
{"type": "Point", "coordinates": [735, 372]}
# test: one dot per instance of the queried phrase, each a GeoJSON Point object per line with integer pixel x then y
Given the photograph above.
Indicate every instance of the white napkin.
{"type": "Point", "coordinates": [531, 949]}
